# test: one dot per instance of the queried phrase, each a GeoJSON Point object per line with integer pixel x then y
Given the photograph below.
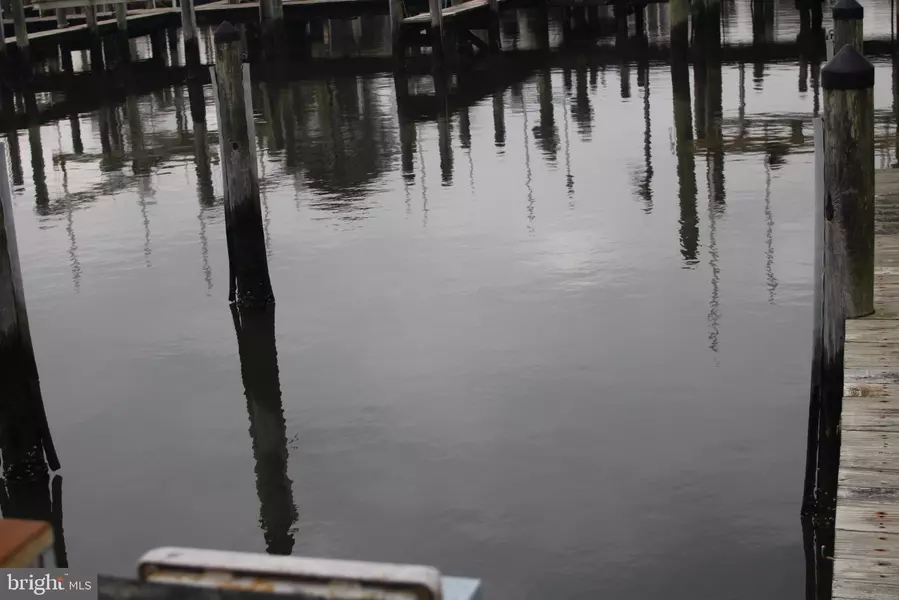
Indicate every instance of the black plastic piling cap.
{"type": "Point", "coordinates": [848, 70]}
{"type": "Point", "coordinates": [848, 10]}
{"type": "Point", "coordinates": [226, 33]}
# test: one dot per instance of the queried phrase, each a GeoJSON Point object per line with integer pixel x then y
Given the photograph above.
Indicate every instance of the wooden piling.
{"type": "Point", "coordinates": [679, 27]}
{"type": "Point", "coordinates": [121, 17]}
{"type": "Point", "coordinates": [26, 447]}
{"type": "Point", "coordinates": [2, 37]}
{"type": "Point", "coordinates": [493, 37]}
{"type": "Point", "coordinates": [844, 278]}
{"type": "Point", "coordinates": [396, 23]}
{"type": "Point", "coordinates": [437, 34]}
{"type": "Point", "coordinates": [249, 278]}
{"type": "Point", "coordinates": [189, 26]}
{"type": "Point", "coordinates": [18, 15]}
{"type": "Point", "coordinates": [847, 25]}
{"type": "Point", "coordinates": [272, 14]}
{"type": "Point", "coordinates": [90, 17]}
{"type": "Point", "coordinates": [62, 18]}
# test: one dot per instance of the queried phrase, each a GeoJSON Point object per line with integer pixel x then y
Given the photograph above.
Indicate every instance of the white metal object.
{"type": "Point", "coordinates": [336, 579]}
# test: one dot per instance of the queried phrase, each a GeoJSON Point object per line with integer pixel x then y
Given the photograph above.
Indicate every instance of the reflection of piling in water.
{"type": "Point", "coordinates": [26, 448]}
{"type": "Point", "coordinates": [499, 119]}
{"type": "Point", "coordinates": [444, 139]}
{"type": "Point", "coordinates": [139, 163]}
{"type": "Point", "coordinates": [203, 164]}
{"type": "Point", "coordinates": [38, 167]}
{"type": "Point", "coordinates": [686, 162]}
{"type": "Point", "coordinates": [582, 111]}
{"type": "Point", "coordinates": [624, 65]}
{"type": "Point", "coordinates": [258, 352]}
{"type": "Point", "coordinates": [406, 129]}
{"type": "Point", "coordinates": [545, 131]}
{"type": "Point", "coordinates": [646, 182]}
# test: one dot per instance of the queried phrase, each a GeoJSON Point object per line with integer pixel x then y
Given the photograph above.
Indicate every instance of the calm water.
{"type": "Point", "coordinates": [543, 364]}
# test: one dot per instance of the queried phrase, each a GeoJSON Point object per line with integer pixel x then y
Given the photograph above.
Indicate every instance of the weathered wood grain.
{"type": "Point", "coordinates": [866, 556]}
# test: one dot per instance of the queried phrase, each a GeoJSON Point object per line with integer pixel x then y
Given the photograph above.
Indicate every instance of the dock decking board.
{"type": "Point", "coordinates": [866, 553]}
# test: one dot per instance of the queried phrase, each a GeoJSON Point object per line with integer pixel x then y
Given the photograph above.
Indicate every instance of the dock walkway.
{"type": "Point", "coordinates": [866, 556]}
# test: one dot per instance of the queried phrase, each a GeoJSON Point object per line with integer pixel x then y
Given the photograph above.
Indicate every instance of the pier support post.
{"type": "Point", "coordinates": [493, 38]}
{"type": "Point", "coordinates": [844, 273]}
{"type": "Point", "coordinates": [18, 15]}
{"type": "Point", "coordinates": [189, 29]}
{"type": "Point", "coordinates": [848, 81]}
{"type": "Point", "coordinates": [679, 25]}
{"type": "Point", "coordinates": [272, 13]}
{"type": "Point", "coordinates": [436, 12]}
{"type": "Point", "coordinates": [121, 17]}
{"type": "Point", "coordinates": [847, 25]}
{"type": "Point", "coordinates": [62, 18]}
{"type": "Point", "coordinates": [396, 31]}
{"type": "Point", "coordinates": [249, 277]}
{"type": "Point", "coordinates": [90, 17]}
{"type": "Point", "coordinates": [26, 448]}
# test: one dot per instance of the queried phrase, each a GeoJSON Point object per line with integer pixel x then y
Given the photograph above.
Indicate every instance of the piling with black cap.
{"type": "Point", "coordinates": [845, 244]}
{"type": "Point", "coordinates": [249, 277]}
{"type": "Point", "coordinates": [848, 16]}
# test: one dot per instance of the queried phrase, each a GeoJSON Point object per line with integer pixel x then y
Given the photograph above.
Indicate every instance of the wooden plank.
{"type": "Point", "coordinates": [22, 542]}
{"type": "Point", "coordinates": [870, 413]}
{"type": "Point", "coordinates": [448, 13]}
{"type": "Point", "coordinates": [863, 509]}
{"type": "Point", "coordinates": [866, 544]}
{"type": "Point", "coordinates": [867, 478]}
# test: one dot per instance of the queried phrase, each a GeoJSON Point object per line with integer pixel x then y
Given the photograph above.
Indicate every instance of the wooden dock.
{"type": "Point", "coordinates": [866, 554]}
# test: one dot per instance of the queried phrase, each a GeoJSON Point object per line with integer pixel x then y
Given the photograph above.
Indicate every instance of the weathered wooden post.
{"type": "Point", "coordinates": [26, 448]}
{"type": "Point", "coordinates": [679, 27]}
{"type": "Point", "coordinates": [493, 37]}
{"type": "Point", "coordinates": [396, 28]}
{"type": "Point", "coordinates": [18, 15]}
{"type": "Point", "coordinates": [848, 16]}
{"type": "Point", "coordinates": [62, 18]}
{"type": "Point", "coordinates": [121, 17]}
{"type": "Point", "coordinates": [189, 29]}
{"type": "Point", "coordinates": [844, 269]}
{"type": "Point", "coordinates": [272, 13]}
{"type": "Point", "coordinates": [249, 277]}
{"type": "Point", "coordinates": [90, 17]}
{"type": "Point", "coordinates": [3, 36]}
{"type": "Point", "coordinates": [437, 34]}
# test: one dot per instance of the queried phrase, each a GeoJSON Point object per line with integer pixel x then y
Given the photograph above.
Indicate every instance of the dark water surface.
{"type": "Point", "coordinates": [556, 368]}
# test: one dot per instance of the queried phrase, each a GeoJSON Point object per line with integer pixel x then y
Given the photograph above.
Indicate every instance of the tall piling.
{"type": "Point", "coordinates": [679, 26]}
{"type": "Point", "coordinates": [62, 18]}
{"type": "Point", "coordinates": [249, 277]}
{"type": "Point", "coordinates": [272, 16]}
{"type": "Point", "coordinates": [844, 253]}
{"type": "Point", "coordinates": [189, 31]}
{"type": "Point", "coordinates": [26, 448]}
{"type": "Point", "coordinates": [848, 16]}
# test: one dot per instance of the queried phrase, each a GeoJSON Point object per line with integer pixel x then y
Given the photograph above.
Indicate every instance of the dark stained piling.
{"type": "Point", "coordinates": [679, 25]}
{"type": "Point", "coordinates": [848, 16]}
{"type": "Point", "coordinates": [249, 277]}
{"type": "Point", "coordinates": [158, 48]}
{"type": "Point", "coordinates": [844, 270]}
{"type": "Point", "coordinates": [396, 13]}
{"type": "Point", "coordinates": [273, 32]}
{"type": "Point", "coordinates": [255, 328]}
{"type": "Point", "coordinates": [62, 17]}
{"type": "Point", "coordinates": [26, 448]}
